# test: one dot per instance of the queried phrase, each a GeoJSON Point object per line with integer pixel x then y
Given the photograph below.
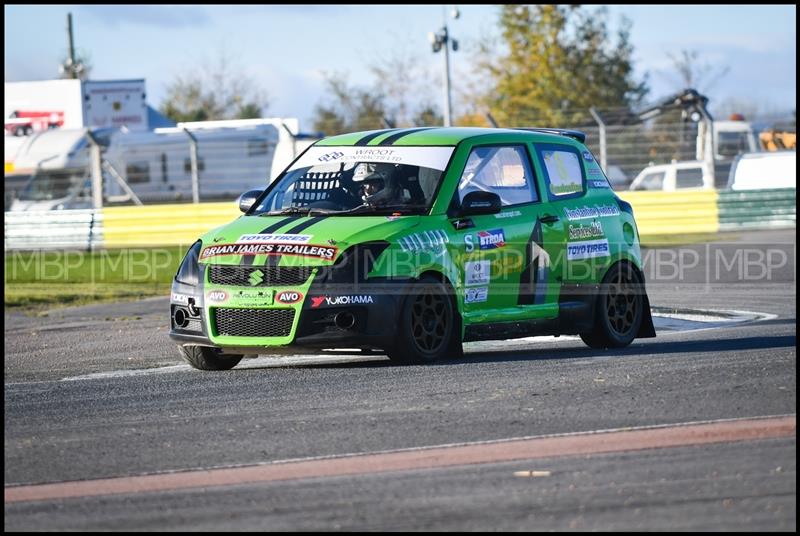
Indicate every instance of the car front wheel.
{"type": "Point", "coordinates": [427, 328]}
{"type": "Point", "coordinates": [206, 358]}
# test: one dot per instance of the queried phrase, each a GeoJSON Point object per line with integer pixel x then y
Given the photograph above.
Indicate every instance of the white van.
{"type": "Point", "coordinates": [759, 171]}
{"type": "Point", "coordinates": [53, 166]}
{"type": "Point", "coordinates": [233, 157]}
{"type": "Point", "coordinates": [691, 175]}
{"type": "Point", "coordinates": [158, 165]}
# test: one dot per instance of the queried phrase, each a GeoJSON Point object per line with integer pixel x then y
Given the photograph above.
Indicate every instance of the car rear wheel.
{"type": "Point", "coordinates": [618, 309]}
{"type": "Point", "coordinates": [206, 358]}
{"type": "Point", "coordinates": [428, 327]}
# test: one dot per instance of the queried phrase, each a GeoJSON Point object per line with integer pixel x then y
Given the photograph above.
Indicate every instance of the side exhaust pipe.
{"type": "Point", "coordinates": [344, 320]}
{"type": "Point", "coordinates": [180, 318]}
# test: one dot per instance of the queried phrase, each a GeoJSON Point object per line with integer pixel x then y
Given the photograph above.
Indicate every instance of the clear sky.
{"type": "Point", "coordinates": [286, 48]}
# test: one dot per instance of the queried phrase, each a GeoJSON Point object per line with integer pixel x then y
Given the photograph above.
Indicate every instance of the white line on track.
{"type": "Point", "coordinates": [668, 322]}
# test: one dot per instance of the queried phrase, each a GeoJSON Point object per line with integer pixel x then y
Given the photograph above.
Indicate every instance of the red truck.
{"type": "Point", "coordinates": [23, 123]}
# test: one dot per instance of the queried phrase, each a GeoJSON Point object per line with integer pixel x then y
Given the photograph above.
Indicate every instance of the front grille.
{"type": "Point", "coordinates": [254, 322]}
{"type": "Point", "coordinates": [270, 276]}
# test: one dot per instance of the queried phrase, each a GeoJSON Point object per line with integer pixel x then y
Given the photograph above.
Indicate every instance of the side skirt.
{"type": "Point", "coordinates": [576, 314]}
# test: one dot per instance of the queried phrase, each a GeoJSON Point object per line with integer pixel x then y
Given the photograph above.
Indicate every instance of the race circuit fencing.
{"type": "Point", "coordinates": [194, 162]}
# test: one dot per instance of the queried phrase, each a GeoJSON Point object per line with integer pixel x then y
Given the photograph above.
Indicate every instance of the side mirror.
{"type": "Point", "coordinates": [480, 202]}
{"type": "Point", "coordinates": [247, 199]}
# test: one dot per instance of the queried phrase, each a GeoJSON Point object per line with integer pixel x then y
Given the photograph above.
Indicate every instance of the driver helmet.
{"type": "Point", "coordinates": [373, 178]}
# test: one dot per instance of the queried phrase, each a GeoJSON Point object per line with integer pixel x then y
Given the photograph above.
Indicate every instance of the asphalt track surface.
{"type": "Point", "coordinates": [100, 392]}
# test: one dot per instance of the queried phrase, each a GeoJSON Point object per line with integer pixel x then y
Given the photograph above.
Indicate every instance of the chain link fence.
{"type": "Point", "coordinates": [205, 164]}
{"type": "Point", "coordinates": [83, 169]}
{"type": "Point", "coordinates": [623, 142]}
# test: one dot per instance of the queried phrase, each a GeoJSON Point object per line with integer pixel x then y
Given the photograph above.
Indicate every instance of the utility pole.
{"type": "Point", "coordinates": [72, 67]}
{"type": "Point", "coordinates": [439, 40]}
{"type": "Point", "coordinates": [71, 45]}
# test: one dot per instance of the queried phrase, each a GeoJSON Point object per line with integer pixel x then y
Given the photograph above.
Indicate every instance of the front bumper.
{"type": "Point", "coordinates": [374, 308]}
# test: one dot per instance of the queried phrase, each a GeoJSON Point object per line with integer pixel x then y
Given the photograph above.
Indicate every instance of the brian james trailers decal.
{"type": "Point", "coordinates": [325, 253]}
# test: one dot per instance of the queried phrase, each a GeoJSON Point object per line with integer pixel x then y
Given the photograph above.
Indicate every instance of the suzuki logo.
{"type": "Point", "coordinates": [256, 278]}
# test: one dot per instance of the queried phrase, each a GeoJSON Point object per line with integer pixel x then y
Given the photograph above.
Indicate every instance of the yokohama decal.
{"type": "Point", "coordinates": [363, 299]}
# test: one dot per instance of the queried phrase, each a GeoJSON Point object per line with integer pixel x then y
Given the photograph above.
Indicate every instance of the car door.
{"type": "Point", "coordinates": [589, 220]}
{"type": "Point", "coordinates": [504, 258]}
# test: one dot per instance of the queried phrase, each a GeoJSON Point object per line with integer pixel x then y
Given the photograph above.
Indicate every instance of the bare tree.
{"type": "Point", "coordinates": [349, 108]}
{"type": "Point", "coordinates": [218, 89]}
{"type": "Point", "coordinates": [692, 73]}
{"type": "Point", "coordinates": [406, 82]}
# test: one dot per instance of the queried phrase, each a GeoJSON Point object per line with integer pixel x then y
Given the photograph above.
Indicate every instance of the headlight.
{"type": "Point", "coordinates": [189, 271]}
{"type": "Point", "coordinates": [354, 264]}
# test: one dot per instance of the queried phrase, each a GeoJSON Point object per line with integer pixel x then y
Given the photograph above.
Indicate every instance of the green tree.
{"type": "Point", "coordinates": [216, 90]}
{"type": "Point", "coordinates": [556, 63]}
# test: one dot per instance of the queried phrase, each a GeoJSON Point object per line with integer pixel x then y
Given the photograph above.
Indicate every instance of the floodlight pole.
{"type": "Point", "coordinates": [71, 48]}
{"type": "Point", "coordinates": [447, 105]}
{"type": "Point", "coordinates": [439, 40]}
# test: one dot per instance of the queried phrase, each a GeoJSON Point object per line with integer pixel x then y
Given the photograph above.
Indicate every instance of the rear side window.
{"type": "Point", "coordinates": [504, 170]}
{"type": "Point", "coordinates": [563, 170]}
{"type": "Point", "coordinates": [689, 178]}
{"type": "Point", "coordinates": [652, 181]}
{"type": "Point", "coordinates": [256, 147]}
{"type": "Point", "coordinates": [138, 172]}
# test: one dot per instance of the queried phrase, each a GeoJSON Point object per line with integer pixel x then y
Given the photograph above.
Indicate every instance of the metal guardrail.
{"type": "Point", "coordinates": [54, 229]}
{"type": "Point", "coordinates": [657, 214]}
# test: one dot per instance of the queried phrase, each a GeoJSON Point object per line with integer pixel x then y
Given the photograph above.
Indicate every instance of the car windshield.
{"type": "Point", "coordinates": [48, 186]}
{"type": "Point", "coordinates": [358, 181]}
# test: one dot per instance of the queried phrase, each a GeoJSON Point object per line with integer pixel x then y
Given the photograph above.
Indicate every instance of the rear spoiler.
{"type": "Point", "coordinates": [574, 134]}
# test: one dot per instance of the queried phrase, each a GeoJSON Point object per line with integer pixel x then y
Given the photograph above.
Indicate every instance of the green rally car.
{"type": "Point", "coordinates": [413, 241]}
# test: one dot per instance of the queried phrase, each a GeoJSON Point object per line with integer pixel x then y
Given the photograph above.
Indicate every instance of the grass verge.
{"type": "Point", "coordinates": [36, 280]}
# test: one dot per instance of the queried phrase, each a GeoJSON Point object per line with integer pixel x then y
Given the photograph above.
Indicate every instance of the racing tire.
{"type": "Point", "coordinates": [428, 327]}
{"type": "Point", "coordinates": [619, 309]}
{"type": "Point", "coordinates": [207, 358]}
